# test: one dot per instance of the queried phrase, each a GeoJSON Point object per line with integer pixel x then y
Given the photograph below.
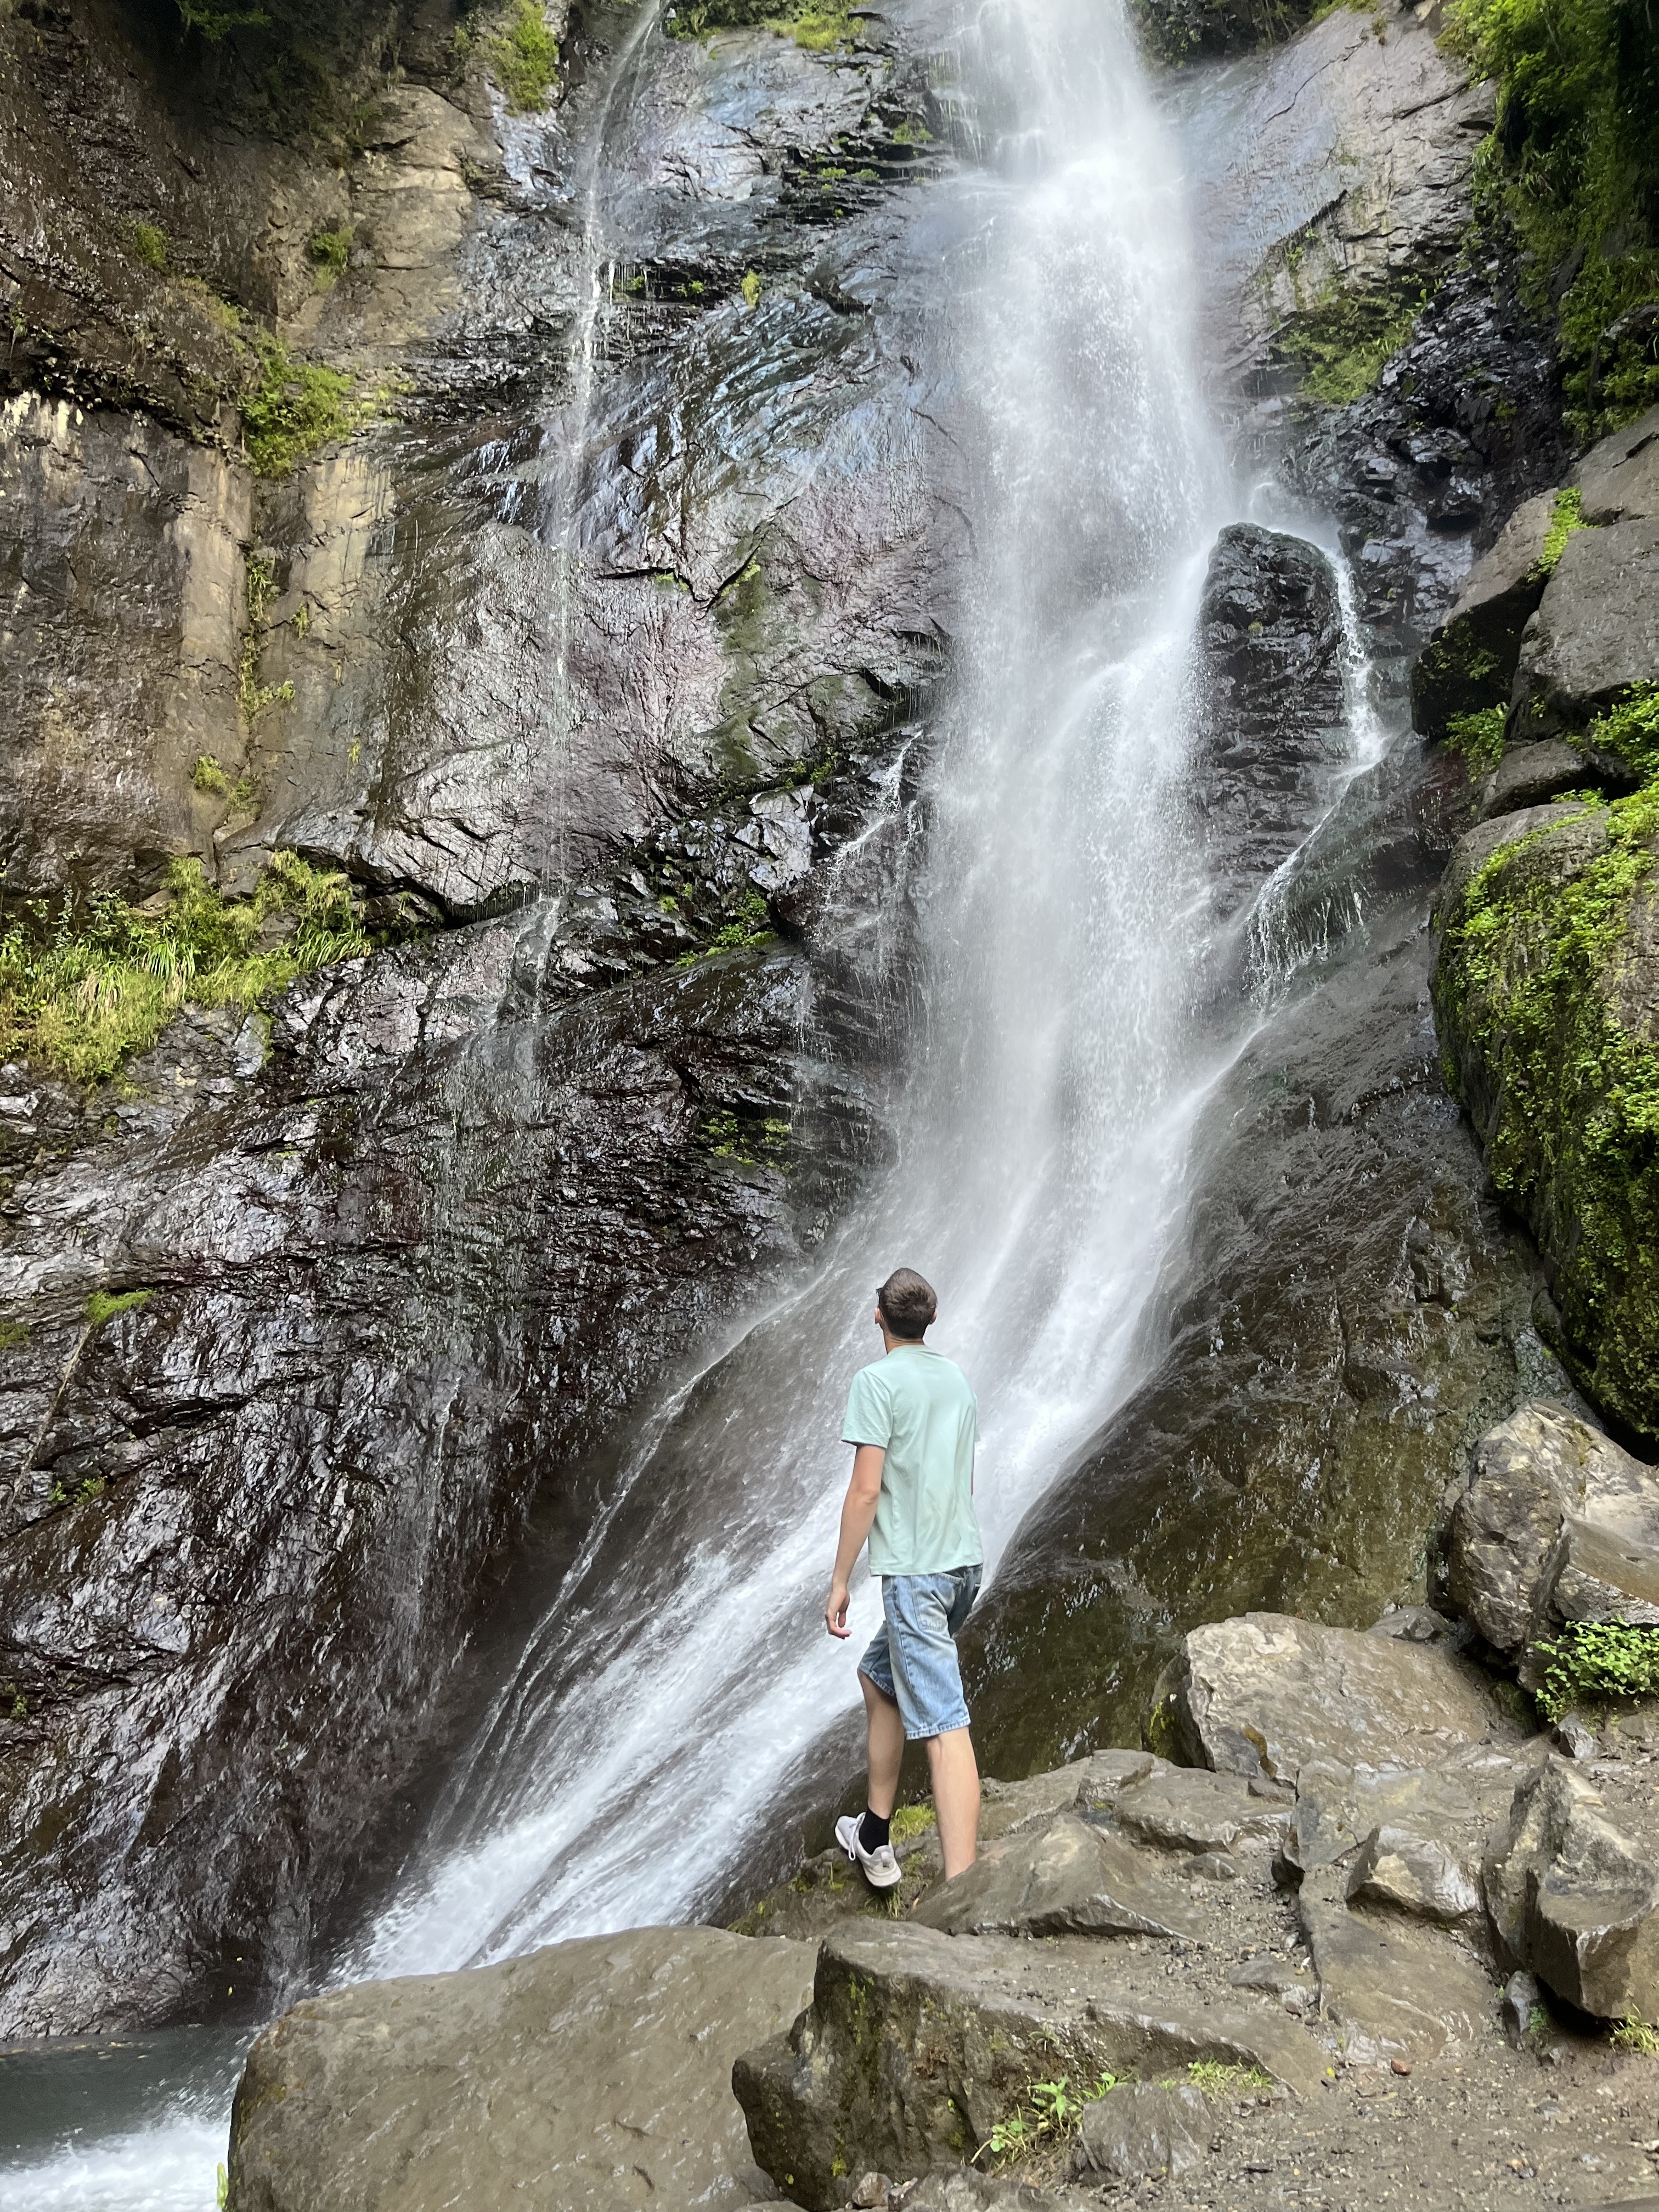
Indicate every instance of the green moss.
{"type": "Point", "coordinates": [1343, 340]}
{"type": "Point", "coordinates": [104, 1305]}
{"type": "Point", "coordinates": [524, 59]}
{"type": "Point", "coordinates": [1566, 516]}
{"type": "Point", "coordinates": [82, 990]}
{"type": "Point", "coordinates": [1566, 1096]}
{"type": "Point", "coordinates": [1573, 166]}
{"type": "Point", "coordinates": [912, 1821]}
{"type": "Point", "coordinates": [910, 133]}
{"type": "Point", "coordinates": [150, 243]}
{"type": "Point", "coordinates": [1592, 1661]}
{"type": "Point", "coordinates": [756, 1143]}
{"type": "Point", "coordinates": [12, 1333]}
{"type": "Point", "coordinates": [1478, 737]}
{"type": "Point", "coordinates": [296, 408]}
{"type": "Point", "coordinates": [209, 776]}
{"type": "Point", "coordinates": [330, 251]}
{"type": "Point", "coordinates": [752, 291]}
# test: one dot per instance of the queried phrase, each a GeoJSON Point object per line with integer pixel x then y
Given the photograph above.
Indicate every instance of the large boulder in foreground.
{"type": "Point", "coordinates": [918, 2043]}
{"type": "Point", "coordinates": [1267, 1694]}
{"type": "Point", "coordinates": [1505, 1554]}
{"type": "Point", "coordinates": [1572, 1887]}
{"type": "Point", "coordinates": [592, 2075]}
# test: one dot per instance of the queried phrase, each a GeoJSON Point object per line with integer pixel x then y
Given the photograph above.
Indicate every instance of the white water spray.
{"type": "Point", "coordinates": [681, 1668]}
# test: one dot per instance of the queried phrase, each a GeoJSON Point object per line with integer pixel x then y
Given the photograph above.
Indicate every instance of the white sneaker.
{"type": "Point", "coordinates": [880, 1866]}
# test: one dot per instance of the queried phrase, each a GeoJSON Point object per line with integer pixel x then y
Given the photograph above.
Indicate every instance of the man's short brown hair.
{"type": "Point", "coordinates": [907, 1304]}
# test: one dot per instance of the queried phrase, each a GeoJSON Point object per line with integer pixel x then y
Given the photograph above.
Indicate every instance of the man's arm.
{"type": "Point", "coordinates": [858, 1511]}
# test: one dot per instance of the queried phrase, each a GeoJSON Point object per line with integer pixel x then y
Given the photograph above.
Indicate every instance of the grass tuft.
{"type": "Point", "coordinates": [1566, 516]}
{"type": "Point", "coordinates": [104, 1305]}
{"type": "Point", "coordinates": [82, 990]}
{"type": "Point", "coordinates": [150, 242]}
{"type": "Point", "coordinates": [330, 251]}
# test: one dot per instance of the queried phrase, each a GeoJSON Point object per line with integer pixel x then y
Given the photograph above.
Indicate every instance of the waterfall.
{"type": "Point", "coordinates": [681, 1669]}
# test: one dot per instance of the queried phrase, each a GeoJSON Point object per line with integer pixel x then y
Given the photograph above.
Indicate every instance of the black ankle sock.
{"type": "Point", "coordinates": [873, 1831]}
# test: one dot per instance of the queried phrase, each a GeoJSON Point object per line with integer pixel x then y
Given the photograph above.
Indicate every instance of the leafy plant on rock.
{"type": "Point", "coordinates": [1592, 1661]}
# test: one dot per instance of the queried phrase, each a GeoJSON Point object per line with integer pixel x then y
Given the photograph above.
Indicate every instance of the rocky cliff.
{"type": "Point", "coordinates": [521, 517]}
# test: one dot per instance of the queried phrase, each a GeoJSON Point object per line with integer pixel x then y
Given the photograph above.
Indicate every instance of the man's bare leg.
{"type": "Point", "coordinates": [955, 1797]}
{"type": "Point", "coordinates": [884, 1748]}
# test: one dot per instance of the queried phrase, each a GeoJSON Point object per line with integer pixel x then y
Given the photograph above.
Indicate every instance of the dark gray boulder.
{"type": "Point", "coordinates": [1142, 2129]}
{"type": "Point", "coordinates": [545, 2078]}
{"type": "Point", "coordinates": [1533, 774]}
{"type": "Point", "coordinates": [1530, 1475]}
{"type": "Point", "coordinates": [1470, 660]}
{"type": "Point", "coordinates": [1572, 1889]}
{"type": "Point", "coordinates": [1398, 1869]}
{"type": "Point", "coordinates": [1270, 704]}
{"type": "Point", "coordinates": [1059, 1877]}
{"type": "Point", "coordinates": [1267, 1694]}
{"type": "Point", "coordinates": [1595, 635]}
{"type": "Point", "coordinates": [1617, 480]}
{"type": "Point", "coordinates": [916, 2043]}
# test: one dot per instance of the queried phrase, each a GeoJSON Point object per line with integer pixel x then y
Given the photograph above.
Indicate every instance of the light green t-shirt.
{"type": "Point", "coordinates": [917, 1405]}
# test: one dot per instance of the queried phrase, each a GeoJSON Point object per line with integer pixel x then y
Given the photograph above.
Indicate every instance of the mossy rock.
{"type": "Point", "coordinates": [1545, 992]}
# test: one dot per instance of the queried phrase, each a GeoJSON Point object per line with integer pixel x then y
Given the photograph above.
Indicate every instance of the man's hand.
{"type": "Point", "coordinates": [835, 1611]}
{"type": "Point", "coordinates": [857, 1512]}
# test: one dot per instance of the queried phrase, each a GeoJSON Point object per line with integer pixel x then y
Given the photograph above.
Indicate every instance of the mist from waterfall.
{"type": "Point", "coordinates": [681, 1669]}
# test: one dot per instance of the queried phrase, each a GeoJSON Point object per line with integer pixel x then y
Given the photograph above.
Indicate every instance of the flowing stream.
{"type": "Point", "coordinates": [680, 1675]}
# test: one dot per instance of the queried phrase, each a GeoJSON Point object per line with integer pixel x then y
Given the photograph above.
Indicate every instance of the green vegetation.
{"type": "Point", "coordinates": [1566, 516]}
{"type": "Point", "coordinates": [1573, 166]}
{"type": "Point", "coordinates": [1592, 1661]}
{"type": "Point", "coordinates": [1048, 2110]}
{"type": "Point", "coordinates": [16, 1705]}
{"type": "Point", "coordinates": [208, 775]}
{"type": "Point", "coordinates": [750, 925]}
{"type": "Point", "coordinates": [150, 243]}
{"type": "Point", "coordinates": [296, 407]}
{"type": "Point", "coordinates": [909, 1821]}
{"type": "Point", "coordinates": [330, 251]}
{"type": "Point", "coordinates": [1478, 737]}
{"type": "Point", "coordinates": [1633, 2033]}
{"type": "Point", "coordinates": [216, 23]}
{"type": "Point", "coordinates": [1344, 338]}
{"type": "Point", "coordinates": [818, 25]}
{"type": "Point", "coordinates": [751, 287]}
{"type": "Point", "coordinates": [1216, 2079]}
{"type": "Point", "coordinates": [104, 1305]}
{"type": "Point", "coordinates": [524, 59]}
{"type": "Point", "coordinates": [12, 1333]}
{"type": "Point", "coordinates": [1525, 990]}
{"type": "Point", "coordinates": [1630, 731]}
{"type": "Point", "coordinates": [910, 133]}
{"type": "Point", "coordinates": [735, 1137]}
{"type": "Point", "coordinates": [82, 990]}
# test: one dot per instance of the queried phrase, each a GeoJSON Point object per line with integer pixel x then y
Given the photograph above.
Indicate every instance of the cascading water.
{"type": "Point", "coordinates": [680, 1672]}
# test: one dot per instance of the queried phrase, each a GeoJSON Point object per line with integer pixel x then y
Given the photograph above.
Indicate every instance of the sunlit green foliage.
{"type": "Point", "coordinates": [524, 59]}
{"type": "Point", "coordinates": [81, 989]}
{"type": "Point", "coordinates": [1592, 1661]}
{"type": "Point", "coordinates": [296, 407]}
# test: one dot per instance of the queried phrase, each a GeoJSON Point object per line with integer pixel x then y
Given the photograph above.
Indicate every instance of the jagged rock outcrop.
{"type": "Point", "coordinates": [547, 2078]}
{"type": "Point", "coordinates": [1469, 663]}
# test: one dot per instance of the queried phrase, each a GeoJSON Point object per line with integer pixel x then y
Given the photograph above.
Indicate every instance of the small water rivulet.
{"type": "Point", "coordinates": [679, 1677]}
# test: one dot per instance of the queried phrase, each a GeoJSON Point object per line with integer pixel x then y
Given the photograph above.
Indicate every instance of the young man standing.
{"type": "Point", "coordinates": [912, 1423]}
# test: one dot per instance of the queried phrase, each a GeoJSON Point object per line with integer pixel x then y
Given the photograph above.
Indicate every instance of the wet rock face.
{"type": "Point", "coordinates": [460, 1217]}
{"type": "Point", "coordinates": [625, 640]}
{"type": "Point", "coordinates": [1348, 1318]}
{"type": "Point", "coordinates": [1271, 704]}
{"type": "Point", "coordinates": [551, 2074]}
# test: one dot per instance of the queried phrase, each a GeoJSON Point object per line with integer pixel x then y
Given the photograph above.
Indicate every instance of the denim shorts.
{"type": "Point", "coordinates": [913, 1655]}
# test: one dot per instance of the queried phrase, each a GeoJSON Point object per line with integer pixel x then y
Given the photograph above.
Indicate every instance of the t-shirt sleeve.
{"type": "Point", "coordinates": [869, 1416]}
